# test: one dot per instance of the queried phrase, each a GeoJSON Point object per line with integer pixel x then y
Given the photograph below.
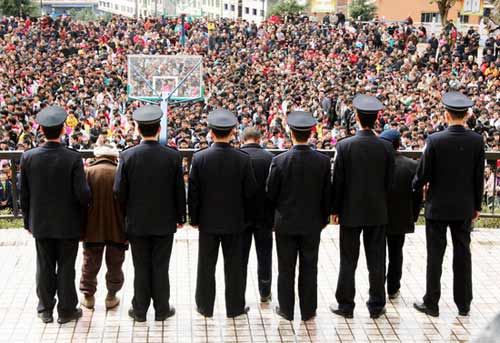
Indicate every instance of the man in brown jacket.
{"type": "Point", "coordinates": [104, 230]}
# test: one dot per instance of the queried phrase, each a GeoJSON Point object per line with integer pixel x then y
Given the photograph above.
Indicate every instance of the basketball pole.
{"type": "Point", "coordinates": [165, 98]}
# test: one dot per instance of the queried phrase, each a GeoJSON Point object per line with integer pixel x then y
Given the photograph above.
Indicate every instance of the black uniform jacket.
{"type": "Point", "coordinates": [221, 183]}
{"type": "Point", "coordinates": [150, 187]}
{"type": "Point", "coordinates": [54, 192]}
{"type": "Point", "coordinates": [362, 178]}
{"type": "Point", "coordinates": [453, 166]}
{"type": "Point", "coordinates": [299, 184]}
{"type": "Point", "coordinates": [404, 203]}
{"type": "Point", "coordinates": [260, 210]}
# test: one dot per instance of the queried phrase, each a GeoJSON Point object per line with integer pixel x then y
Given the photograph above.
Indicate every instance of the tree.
{"type": "Point", "coordinates": [18, 7]}
{"type": "Point", "coordinates": [362, 10]}
{"type": "Point", "coordinates": [286, 7]}
{"type": "Point", "coordinates": [86, 14]}
{"type": "Point", "coordinates": [444, 7]}
{"type": "Point", "coordinates": [496, 11]}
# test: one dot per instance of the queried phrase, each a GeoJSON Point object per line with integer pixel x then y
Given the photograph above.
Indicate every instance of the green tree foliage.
{"type": "Point", "coordinates": [19, 7]}
{"type": "Point", "coordinates": [444, 7]}
{"type": "Point", "coordinates": [496, 12]}
{"type": "Point", "coordinates": [86, 14]}
{"type": "Point", "coordinates": [286, 7]}
{"type": "Point", "coordinates": [362, 10]}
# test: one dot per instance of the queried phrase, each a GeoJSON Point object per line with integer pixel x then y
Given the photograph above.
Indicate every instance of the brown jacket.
{"type": "Point", "coordinates": [104, 218]}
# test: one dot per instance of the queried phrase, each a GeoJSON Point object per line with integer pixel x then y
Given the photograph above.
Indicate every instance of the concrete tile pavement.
{"type": "Point", "coordinates": [18, 321]}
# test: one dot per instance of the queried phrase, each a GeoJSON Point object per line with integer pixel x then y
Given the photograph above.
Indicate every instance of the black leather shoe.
{"type": "Point", "coordinates": [421, 307]}
{"type": "Point", "coordinates": [394, 295]}
{"type": "Point", "coordinates": [283, 315]}
{"type": "Point", "coordinates": [74, 316]}
{"type": "Point", "coordinates": [375, 315]}
{"type": "Point", "coordinates": [266, 298]}
{"type": "Point", "coordinates": [170, 313]}
{"type": "Point", "coordinates": [132, 314]}
{"type": "Point", "coordinates": [342, 313]}
{"type": "Point", "coordinates": [309, 317]}
{"type": "Point", "coordinates": [245, 311]}
{"type": "Point", "coordinates": [204, 314]}
{"type": "Point", "coordinates": [46, 317]}
{"type": "Point", "coordinates": [464, 313]}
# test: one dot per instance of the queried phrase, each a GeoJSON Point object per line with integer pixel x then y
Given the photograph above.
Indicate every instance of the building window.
{"type": "Point", "coordinates": [429, 17]}
{"type": "Point", "coordinates": [232, 8]}
{"type": "Point", "coordinates": [226, 7]}
{"type": "Point", "coordinates": [247, 10]}
{"type": "Point", "coordinates": [254, 11]}
{"type": "Point", "coordinates": [262, 14]}
{"type": "Point", "coordinates": [464, 19]}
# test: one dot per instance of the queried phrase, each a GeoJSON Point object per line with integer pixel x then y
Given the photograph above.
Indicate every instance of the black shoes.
{"type": "Point", "coordinates": [464, 313]}
{"type": "Point", "coordinates": [265, 299]}
{"type": "Point", "coordinates": [421, 307]}
{"type": "Point", "coordinates": [46, 317]}
{"type": "Point", "coordinates": [342, 313]}
{"type": "Point", "coordinates": [309, 317]}
{"type": "Point", "coordinates": [245, 311]}
{"type": "Point", "coordinates": [283, 315]}
{"type": "Point", "coordinates": [204, 314]}
{"type": "Point", "coordinates": [377, 314]}
{"type": "Point", "coordinates": [170, 313]}
{"type": "Point", "coordinates": [73, 316]}
{"type": "Point", "coordinates": [132, 314]}
{"type": "Point", "coordinates": [394, 295]}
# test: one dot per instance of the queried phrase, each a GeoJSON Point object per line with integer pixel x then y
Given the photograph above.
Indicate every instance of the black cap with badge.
{"type": "Point", "coordinates": [52, 116]}
{"type": "Point", "coordinates": [456, 102]}
{"type": "Point", "coordinates": [222, 120]}
{"type": "Point", "coordinates": [301, 121]}
{"type": "Point", "coordinates": [149, 114]}
{"type": "Point", "coordinates": [366, 104]}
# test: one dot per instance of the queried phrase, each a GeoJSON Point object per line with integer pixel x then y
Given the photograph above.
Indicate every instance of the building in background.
{"type": "Point", "coordinates": [57, 7]}
{"type": "Point", "coordinates": [250, 10]}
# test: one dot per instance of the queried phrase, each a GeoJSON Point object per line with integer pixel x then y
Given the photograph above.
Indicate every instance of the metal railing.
{"type": "Point", "coordinates": [15, 156]}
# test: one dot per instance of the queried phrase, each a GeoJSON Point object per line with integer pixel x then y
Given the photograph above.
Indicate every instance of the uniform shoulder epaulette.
{"type": "Point", "coordinates": [128, 147]}
{"type": "Point", "coordinates": [243, 152]}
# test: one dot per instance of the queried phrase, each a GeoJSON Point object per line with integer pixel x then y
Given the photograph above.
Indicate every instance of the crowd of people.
{"type": "Point", "coordinates": [261, 72]}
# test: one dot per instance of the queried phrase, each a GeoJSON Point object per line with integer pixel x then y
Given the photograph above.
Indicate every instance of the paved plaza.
{"type": "Point", "coordinates": [18, 321]}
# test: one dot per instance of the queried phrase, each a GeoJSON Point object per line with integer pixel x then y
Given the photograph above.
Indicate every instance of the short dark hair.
{"type": "Point", "coordinates": [149, 130]}
{"type": "Point", "coordinates": [367, 120]}
{"type": "Point", "coordinates": [53, 132]}
{"type": "Point", "coordinates": [457, 114]}
{"type": "Point", "coordinates": [395, 144]}
{"type": "Point", "coordinates": [250, 133]}
{"type": "Point", "coordinates": [301, 136]}
{"type": "Point", "coordinates": [221, 133]}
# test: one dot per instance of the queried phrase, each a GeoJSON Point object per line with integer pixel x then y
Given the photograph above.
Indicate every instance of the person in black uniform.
{"type": "Point", "coordinates": [299, 184]}
{"type": "Point", "coordinates": [362, 178]}
{"type": "Point", "coordinates": [221, 182]}
{"type": "Point", "coordinates": [54, 197]}
{"type": "Point", "coordinates": [451, 169]}
{"type": "Point", "coordinates": [150, 187]}
{"type": "Point", "coordinates": [403, 209]}
{"type": "Point", "coordinates": [259, 217]}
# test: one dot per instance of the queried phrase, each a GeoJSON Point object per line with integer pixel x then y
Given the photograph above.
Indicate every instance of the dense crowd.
{"type": "Point", "coordinates": [261, 72]}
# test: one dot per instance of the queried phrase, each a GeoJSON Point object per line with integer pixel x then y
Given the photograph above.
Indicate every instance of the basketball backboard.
{"type": "Point", "coordinates": [156, 77]}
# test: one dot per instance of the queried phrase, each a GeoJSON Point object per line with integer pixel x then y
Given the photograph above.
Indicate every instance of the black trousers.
{"type": "Point", "coordinates": [435, 232]}
{"type": "Point", "coordinates": [306, 247]}
{"type": "Point", "coordinates": [374, 243]}
{"type": "Point", "coordinates": [55, 272]}
{"type": "Point", "coordinates": [208, 252]}
{"type": "Point", "coordinates": [151, 257]}
{"type": "Point", "coordinates": [395, 244]}
{"type": "Point", "coordinates": [264, 247]}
